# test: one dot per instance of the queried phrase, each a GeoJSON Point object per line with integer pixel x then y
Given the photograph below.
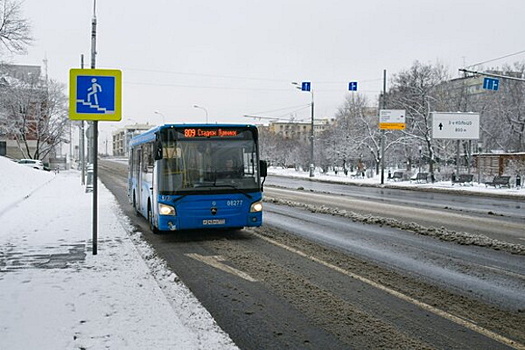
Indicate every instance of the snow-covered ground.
{"type": "Point", "coordinates": [474, 187]}
{"type": "Point", "coordinates": [54, 294]}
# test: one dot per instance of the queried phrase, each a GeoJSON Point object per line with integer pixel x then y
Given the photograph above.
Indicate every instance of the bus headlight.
{"type": "Point", "coordinates": [256, 207]}
{"type": "Point", "coordinates": [166, 209]}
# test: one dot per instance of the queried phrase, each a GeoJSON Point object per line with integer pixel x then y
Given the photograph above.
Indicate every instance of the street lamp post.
{"type": "Point", "coordinates": [420, 149]}
{"type": "Point", "coordinates": [312, 166]}
{"type": "Point", "coordinates": [204, 109]}
{"type": "Point", "coordinates": [162, 115]}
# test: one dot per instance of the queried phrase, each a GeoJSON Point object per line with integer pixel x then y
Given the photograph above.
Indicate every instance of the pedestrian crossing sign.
{"type": "Point", "coordinates": [95, 94]}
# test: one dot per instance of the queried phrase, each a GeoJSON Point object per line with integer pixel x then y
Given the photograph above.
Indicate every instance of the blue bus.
{"type": "Point", "coordinates": [197, 176]}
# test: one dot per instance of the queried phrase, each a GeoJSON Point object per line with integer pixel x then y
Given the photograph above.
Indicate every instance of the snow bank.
{"type": "Point", "coordinates": [56, 295]}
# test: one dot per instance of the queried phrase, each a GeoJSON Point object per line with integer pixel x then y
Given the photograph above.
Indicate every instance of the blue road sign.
{"type": "Point", "coordinates": [491, 84]}
{"type": "Point", "coordinates": [352, 86]}
{"type": "Point", "coordinates": [306, 86]}
{"type": "Point", "coordinates": [95, 94]}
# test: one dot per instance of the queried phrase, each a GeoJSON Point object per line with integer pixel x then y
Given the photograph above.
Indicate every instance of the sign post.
{"type": "Point", "coordinates": [95, 95]}
{"type": "Point", "coordinates": [389, 119]}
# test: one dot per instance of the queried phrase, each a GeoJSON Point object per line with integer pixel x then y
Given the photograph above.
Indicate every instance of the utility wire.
{"type": "Point", "coordinates": [496, 59]}
{"type": "Point", "coordinates": [204, 75]}
{"type": "Point", "coordinates": [301, 107]}
{"type": "Point", "coordinates": [364, 81]}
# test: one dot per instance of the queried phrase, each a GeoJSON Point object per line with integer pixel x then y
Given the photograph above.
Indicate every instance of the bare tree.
{"type": "Point", "coordinates": [353, 131]}
{"type": "Point", "coordinates": [504, 124]}
{"type": "Point", "coordinates": [417, 91]}
{"type": "Point", "coordinates": [280, 151]}
{"type": "Point", "coordinates": [34, 114]}
{"type": "Point", "coordinates": [357, 133]}
{"type": "Point", "coordinates": [15, 31]}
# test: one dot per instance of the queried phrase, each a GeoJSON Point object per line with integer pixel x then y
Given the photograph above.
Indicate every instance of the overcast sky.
{"type": "Point", "coordinates": [238, 57]}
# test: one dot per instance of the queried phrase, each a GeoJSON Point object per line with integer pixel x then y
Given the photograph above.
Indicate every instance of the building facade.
{"type": "Point", "coordinates": [122, 136]}
{"type": "Point", "coordinates": [298, 130]}
{"type": "Point", "coordinates": [23, 125]}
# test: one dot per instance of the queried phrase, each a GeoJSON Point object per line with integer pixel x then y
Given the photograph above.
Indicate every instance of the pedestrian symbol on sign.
{"type": "Point", "coordinates": [95, 94]}
{"type": "Point", "coordinates": [93, 91]}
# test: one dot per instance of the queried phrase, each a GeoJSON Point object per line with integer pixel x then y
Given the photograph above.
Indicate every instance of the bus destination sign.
{"type": "Point", "coordinates": [209, 132]}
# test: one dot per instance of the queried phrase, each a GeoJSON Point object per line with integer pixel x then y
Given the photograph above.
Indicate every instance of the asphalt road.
{"type": "Point", "coordinates": [498, 217]}
{"type": "Point", "coordinates": [322, 280]}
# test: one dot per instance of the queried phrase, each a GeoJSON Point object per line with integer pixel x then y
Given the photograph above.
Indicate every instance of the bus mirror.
{"type": "Point", "coordinates": [157, 150]}
{"type": "Point", "coordinates": [263, 165]}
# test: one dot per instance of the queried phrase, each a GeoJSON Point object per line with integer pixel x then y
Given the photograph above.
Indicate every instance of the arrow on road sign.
{"type": "Point", "coordinates": [491, 84]}
{"type": "Point", "coordinates": [306, 86]}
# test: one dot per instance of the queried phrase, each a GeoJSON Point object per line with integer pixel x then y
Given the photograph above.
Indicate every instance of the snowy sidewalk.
{"type": "Point", "coordinates": [54, 294]}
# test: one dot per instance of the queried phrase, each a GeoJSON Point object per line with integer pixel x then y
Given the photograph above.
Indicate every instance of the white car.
{"type": "Point", "coordinates": [33, 163]}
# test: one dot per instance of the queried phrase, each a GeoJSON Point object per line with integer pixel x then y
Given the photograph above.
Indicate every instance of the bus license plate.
{"type": "Point", "coordinates": [214, 222]}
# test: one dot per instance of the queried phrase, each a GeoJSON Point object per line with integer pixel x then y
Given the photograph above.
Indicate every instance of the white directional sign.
{"type": "Point", "coordinates": [392, 119]}
{"type": "Point", "coordinates": [455, 126]}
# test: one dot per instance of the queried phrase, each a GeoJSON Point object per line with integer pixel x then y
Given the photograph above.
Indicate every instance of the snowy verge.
{"type": "Point", "coordinates": [56, 295]}
{"type": "Point", "coordinates": [189, 310]}
{"type": "Point", "coordinates": [440, 233]}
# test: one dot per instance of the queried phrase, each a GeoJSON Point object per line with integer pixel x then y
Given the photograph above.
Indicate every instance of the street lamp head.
{"type": "Point", "coordinates": [297, 85]}
{"type": "Point", "coordinates": [204, 109]}
{"type": "Point", "coordinates": [162, 115]}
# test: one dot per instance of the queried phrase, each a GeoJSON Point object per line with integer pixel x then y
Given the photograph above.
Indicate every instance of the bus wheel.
{"type": "Point", "coordinates": [135, 205]}
{"type": "Point", "coordinates": [150, 220]}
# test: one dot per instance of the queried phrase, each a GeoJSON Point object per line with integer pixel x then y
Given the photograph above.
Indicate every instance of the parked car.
{"type": "Point", "coordinates": [33, 163]}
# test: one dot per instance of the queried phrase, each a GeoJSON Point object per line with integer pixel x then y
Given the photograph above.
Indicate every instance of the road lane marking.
{"type": "Point", "coordinates": [460, 321]}
{"type": "Point", "coordinates": [503, 272]}
{"type": "Point", "coordinates": [216, 261]}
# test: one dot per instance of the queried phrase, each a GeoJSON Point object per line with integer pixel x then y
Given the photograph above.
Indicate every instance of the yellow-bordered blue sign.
{"type": "Point", "coordinates": [95, 94]}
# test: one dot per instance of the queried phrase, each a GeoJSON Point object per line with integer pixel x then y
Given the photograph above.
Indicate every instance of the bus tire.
{"type": "Point", "coordinates": [135, 205]}
{"type": "Point", "coordinates": [152, 227]}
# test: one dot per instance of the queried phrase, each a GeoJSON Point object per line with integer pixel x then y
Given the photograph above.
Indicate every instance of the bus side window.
{"type": "Point", "coordinates": [136, 162]}
{"type": "Point", "coordinates": [147, 158]}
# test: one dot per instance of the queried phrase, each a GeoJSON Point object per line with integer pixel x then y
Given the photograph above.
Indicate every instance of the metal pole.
{"type": "Point", "coordinates": [492, 75]}
{"type": "Point", "coordinates": [82, 135]}
{"type": "Point", "coordinates": [312, 166]}
{"type": "Point", "coordinates": [457, 156]}
{"type": "Point", "coordinates": [95, 137]}
{"type": "Point", "coordinates": [81, 155]}
{"type": "Point", "coordinates": [94, 35]}
{"type": "Point", "coordinates": [383, 102]}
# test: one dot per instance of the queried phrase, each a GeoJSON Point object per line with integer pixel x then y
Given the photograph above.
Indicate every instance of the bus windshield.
{"type": "Point", "coordinates": [196, 165]}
